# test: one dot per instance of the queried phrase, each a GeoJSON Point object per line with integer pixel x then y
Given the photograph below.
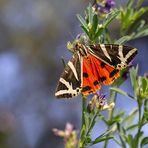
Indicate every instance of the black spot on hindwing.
{"type": "Point", "coordinates": [102, 64]}
{"type": "Point", "coordinates": [102, 78]}
{"type": "Point", "coordinates": [115, 71]}
{"type": "Point", "coordinates": [96, 83]}
{"type": "Point", "coordinates": [85, 75]}
{"type": "Point", "coordinates": [86, 88]}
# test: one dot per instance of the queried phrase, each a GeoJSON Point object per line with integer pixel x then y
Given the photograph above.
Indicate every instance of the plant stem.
{"type": "Point", "coordinates": [82, 133]}
{"type": "Point", "coordinates": [113, 95]}
{"type": "Point", "coordinates": [92, 124]}
{"type": "Point", "coordinates": [139, 122]}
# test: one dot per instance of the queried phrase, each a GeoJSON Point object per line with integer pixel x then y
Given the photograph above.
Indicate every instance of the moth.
{"type": "Point", "coordinates": [92, 66]}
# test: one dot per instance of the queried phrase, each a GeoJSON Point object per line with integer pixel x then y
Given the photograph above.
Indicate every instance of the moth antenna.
{"type": "Point", "coordinates": [63, 61]}
{"type": "Point", "coordinates": [71, 35]}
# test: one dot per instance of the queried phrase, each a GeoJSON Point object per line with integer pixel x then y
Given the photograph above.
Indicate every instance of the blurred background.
{"type": "Point", "coordinates": [33, 37]}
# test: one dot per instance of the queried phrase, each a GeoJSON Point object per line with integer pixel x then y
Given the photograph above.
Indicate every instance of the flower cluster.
{"type": "Point", "coordinates": [99, 102]}
{"type": "Point", "coordinates": [69, 135]}
{"type": "Point", "coordinates": [103, 6]}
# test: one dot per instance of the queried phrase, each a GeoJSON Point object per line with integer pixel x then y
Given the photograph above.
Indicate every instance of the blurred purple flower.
{"type": "Point", "coordinates": [130, 65]}
{"type": "Point", "coordinates": [103, 6]}
{"type": "Point", "coordinates": [69, 135]}
{"type": "Point", "coordinates": [102, 100]}
{"type": "Point", "coordinates": [99, 101]}
{"type": "Point", "coordinates": [109, 4]}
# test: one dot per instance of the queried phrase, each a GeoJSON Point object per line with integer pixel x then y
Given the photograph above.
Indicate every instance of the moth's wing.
{"type": "Point", "coordinates": [105, 73]}
{"type": "Point", "coordinates": [69, 84]}
{"type": "Point", "coordinates": [90, 77]}
{"type": "Point", "coordinates": [117, 56]}
{"type": "Point", "coordinates": [95, 73]}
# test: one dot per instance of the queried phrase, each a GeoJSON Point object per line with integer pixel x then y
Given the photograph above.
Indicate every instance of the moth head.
{"type": "Point", "coordinates": [82, 49]}
{"type": "Point", "coordinates": [121, 66]}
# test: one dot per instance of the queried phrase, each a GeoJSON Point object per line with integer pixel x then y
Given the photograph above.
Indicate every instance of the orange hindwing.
{"type": "Point", "coordinates": [96, 72]}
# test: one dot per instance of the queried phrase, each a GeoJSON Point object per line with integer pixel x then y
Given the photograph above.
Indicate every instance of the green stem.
{"type": "Point", "coordinates": [92, 124]}
{"type": "Point", "coordinates": [82, 133]}
{"type": "Point", "coordinates": [83, 109]}
{"type": "Point", "coordinates": [140, 124]}
{"type": "Point", "coordinates": [113, 96]}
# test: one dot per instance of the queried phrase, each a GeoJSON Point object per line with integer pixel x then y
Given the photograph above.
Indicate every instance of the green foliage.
{"type": "Point", "coordinates": [129, 16]}
{"type": "Point", "coordinates": [96, 30]}
{"type": "Point", "coordinates": [93, 26]}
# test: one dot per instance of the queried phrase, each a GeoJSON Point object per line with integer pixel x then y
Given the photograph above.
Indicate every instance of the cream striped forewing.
{"type": "Point", "coordinates": [69, 84]}
{"type": "Point", "coordinates": [117, 56]}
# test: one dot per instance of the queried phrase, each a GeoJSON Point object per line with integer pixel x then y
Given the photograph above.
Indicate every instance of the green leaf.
{"type": "Point", "coordinates": [122, 92]}
{"type": "Point", "coordinates": [126, 18]}
{"type": "Point", "coordinates": [123, 39]}
{"type": "Point", "coordinates": [121, 114]}
{"type": "Point", "coordinates": [139, 13]}
{"type": "Point", "coordinates": [82, 21]}
{"type": "Point", "coordinates": [134, 77]}
{"type": "Point", "coordinates": [141, 32]}
{"type": "Point", "coordinates": [94, 24]}
{"type": "Point", "coordinates": [98, 140]}
{"type": "Point", "coordinates": [137, 136]}
{"type": "Point", "coordinates": [130, 3]}
{"type": "Point", "coordinates": [144, 83]}
{"type": "Point", "coordinates": [131, 127]}
{"type": "Point", "coordinates": [99, 32]}
{"type": "Point", "coordinates": [90, 13]}
{"type": "Point", "coordinates": [111, 16]}
{"type": "Point", "coordinates": [144, 142]}
{"type": "Point", "coordinates": [116, 119]}
{"type": "Point", "coordinates": [104, 134]}
{"type": "Point", "coordinates": [130, 140]}
{"type": "Point", "coordinates": [85, 30]}
{"type": "Point", "coordinates": [130, 118]}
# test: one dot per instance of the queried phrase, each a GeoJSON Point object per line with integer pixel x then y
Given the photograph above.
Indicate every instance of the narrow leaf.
{"type": "Point", "coordinates": [82, 21]}
{"type": "Point", "coordinates": [99, 32]}
{"type": "Point", "coordinates": [90, 14]}
{"type": "Point", "coordinates": [130, 118]}
{"type": "Point", "coordinates": [123, 39]}
{"type": "Point", "coordinates": [130, 3]}
{"type": "Point", "coordinates": [98, 140]}
{"type": "Point", "coordinates": [95, 24]}
{"type": "Point", "coordinates": [133, 76]}
{"type": "Point", "coordinates": [122, 92]}
{"type": "Point", "coordinates": [85, 30]}
{"type": "Point", "coordinates": [130, 140]}
{"type": "Point", "coordinates": [131, 127]}
{"type": "Point", "coordinates": [144, 142]}
{"type": "Point", "coordinates": [111, 16]}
